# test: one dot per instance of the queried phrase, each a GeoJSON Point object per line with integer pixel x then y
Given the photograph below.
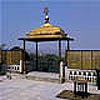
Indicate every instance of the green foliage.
{"type": "Point", "coordinates": [32, 56]}
{"type": "Point", "coordinates": [47, 62]}
{"type": "Point", "coordinates": [44, 57]}
{"type": "Point", "coordinates": [2, 46]}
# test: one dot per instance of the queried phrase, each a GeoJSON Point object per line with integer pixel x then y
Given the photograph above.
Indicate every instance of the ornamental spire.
{"type": "Point", "coordinates": [46, 15]}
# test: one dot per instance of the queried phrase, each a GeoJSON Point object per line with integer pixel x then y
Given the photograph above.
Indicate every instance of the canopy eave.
{"type": "Point", "coordinates": [45, 39]}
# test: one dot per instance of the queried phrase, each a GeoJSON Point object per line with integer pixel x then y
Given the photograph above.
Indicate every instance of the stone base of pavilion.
{"type": "Point", "coordinates": [43, 76]}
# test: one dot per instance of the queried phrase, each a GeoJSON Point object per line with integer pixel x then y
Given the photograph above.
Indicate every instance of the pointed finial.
{"type": "Point", "coordinates": [46, 15]}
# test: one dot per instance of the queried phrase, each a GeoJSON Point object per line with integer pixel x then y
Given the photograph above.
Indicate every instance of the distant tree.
{"type": "Point", "coordinates": [2, 46]}
{"type": "Point", "coordinates": [51, 57]}
{"type": "Point", "coordinates": [44, 57]}
{"type": "Point", "coordinates": [32, 56]}
{"type": "Point", "coordinates": [47, 62]}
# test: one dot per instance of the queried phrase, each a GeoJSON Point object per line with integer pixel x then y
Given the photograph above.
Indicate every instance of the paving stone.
{"type": "Point", "coordinates": [23, 89]}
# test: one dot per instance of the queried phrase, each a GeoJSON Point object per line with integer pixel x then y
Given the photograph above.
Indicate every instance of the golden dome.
{"type": "Point", "coordinates": [47, 30]}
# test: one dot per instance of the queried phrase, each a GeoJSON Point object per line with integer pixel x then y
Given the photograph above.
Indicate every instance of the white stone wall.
{"type": "Point", "coordinates": [13, 68]}
{"type": "Point", "coordinates": [16, 68]}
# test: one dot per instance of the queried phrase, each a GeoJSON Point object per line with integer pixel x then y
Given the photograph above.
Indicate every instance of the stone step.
{"type": "Point", "coordinates": [42, 79]}
{"type": "Point", "coordinates": [43, 76]}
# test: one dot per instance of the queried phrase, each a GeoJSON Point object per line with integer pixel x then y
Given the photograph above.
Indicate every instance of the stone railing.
{"type": "Point", "coordinates": [75, 74]}
{"type": "Point", "coordinates": [16, 68]}
{"type": "Point", "coordinates": [13, 68]}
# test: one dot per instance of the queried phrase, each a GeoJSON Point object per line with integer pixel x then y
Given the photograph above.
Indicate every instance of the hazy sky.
{"type": "Point", "coordinates": [80, 18]}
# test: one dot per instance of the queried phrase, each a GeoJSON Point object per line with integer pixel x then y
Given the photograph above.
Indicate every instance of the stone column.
{"type": "Point", "coordinates": [62, 72]}
{"type": "Point", "coordinates": [20, 68]}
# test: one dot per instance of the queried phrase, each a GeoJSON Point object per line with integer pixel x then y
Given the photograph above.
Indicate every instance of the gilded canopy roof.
{"type": "Point", "coordinates": [47, 30]}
